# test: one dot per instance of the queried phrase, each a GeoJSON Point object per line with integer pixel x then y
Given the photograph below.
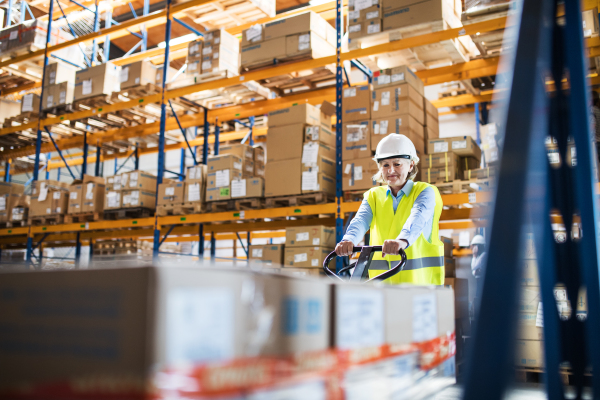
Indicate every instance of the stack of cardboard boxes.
{"type": "Point", "coordinates": [32, 35]}
{"type": "Point", "coordinates": [221, 171]}
{"type": "Point", "coordinates": [10, 193]}
{"type": "Point", "coordinates": [432, 124]}
{"type": "Point", "coordinates": [266, 254]}
{"type": "Point", "coordinates": [134, 189]}
{"type": "Point", "coordinates": [300, 151]}
{"type": "Point", "coordinates": [364, 18]}
{"type": "Point", "coordinates": [139, 73]}
{"type": "Point", "coordinates": [189, 193]}
{"type": "Point", "coordinates": [100, 80]}
{"type": "Point", "coordinates": [30, 103]}
{"type": "Point", "coordinates": [306, 35]}
{"type": "Point", "coordinates": [219, 51]}
{"type": "Point", "coordinates": [307, 247]}
{"type": "Point", "coordinates": [251, 183]}
{"type": "Point", "coordinates": [49, 199]}
{"type": "Point", "coordinates": [87, 195]}
{"type": "Point", "coordinates": [448, 158]}
{"type": "Point", "coordinates": [59, 85]}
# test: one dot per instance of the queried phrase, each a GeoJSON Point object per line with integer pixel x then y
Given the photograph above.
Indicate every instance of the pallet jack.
{"type": "Point", "coordinates": [361, 266]}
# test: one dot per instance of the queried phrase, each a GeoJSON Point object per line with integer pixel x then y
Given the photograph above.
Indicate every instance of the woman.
{"type": "Point", "coordinates": [402, 215]}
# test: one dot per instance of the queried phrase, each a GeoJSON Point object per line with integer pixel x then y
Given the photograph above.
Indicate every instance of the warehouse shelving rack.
{"type": "Point", "coordinates": [161, 227]}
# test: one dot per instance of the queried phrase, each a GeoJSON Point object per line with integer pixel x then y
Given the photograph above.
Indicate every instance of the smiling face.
{"type": "Point", "coordinates": [395, 170]}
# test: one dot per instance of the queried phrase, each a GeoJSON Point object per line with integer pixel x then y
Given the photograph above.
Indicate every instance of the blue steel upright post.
{"type": "Point", "coordinates": [339, 83]}
{"type": "Point", "coordinates": [38, 141]}
{"type": "Point", "coordinates": [163, 122]}
{"type": "Point", "coordinates": [96, 28]}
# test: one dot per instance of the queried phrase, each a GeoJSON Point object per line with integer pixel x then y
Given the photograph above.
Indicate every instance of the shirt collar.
{"type": "Point", "coordinates": [406, 189]}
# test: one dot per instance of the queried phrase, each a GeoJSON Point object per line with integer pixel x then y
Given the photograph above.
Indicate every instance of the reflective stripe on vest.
{"type": "Point", "coordinates": [418, 263]}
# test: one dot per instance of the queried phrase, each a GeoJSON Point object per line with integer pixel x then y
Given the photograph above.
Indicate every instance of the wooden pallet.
{"type": "Point", "coordinates": [52, 219]}
{"type": "Point", "coordinates": [83, 217]}
{"type": "Point", "coordinates": [275, 61]}
{"type": "Point", "coordinates": [354, 195]}
{"type": "Point", "coordinates": [13, 224]}
{"type": "Point", "coordinates": [59, 110]}
{"type": "Point", "coordinates": [200, 78]}
{"type": "Point", "coordinates": [20, 119]}
{"type": "Point", "coordinates": [180, 209]}
{"type": "Point", "coordinates": [127, 213]}
{"type": "Point", "coordinates": [299, 200]}
{"type": "Point", "coordinates": [536, 375]}
{"type": "Point", "coordinates": [139, 91]}
{"type": "Point", "coordinates": [235, 204]}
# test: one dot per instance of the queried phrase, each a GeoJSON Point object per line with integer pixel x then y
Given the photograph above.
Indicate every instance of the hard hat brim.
{"type": "Point", "coordinates": [405, 156]}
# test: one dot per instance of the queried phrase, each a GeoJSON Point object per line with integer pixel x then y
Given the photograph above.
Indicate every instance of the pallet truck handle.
{"type": "Point", "coordinates": [391, 272]}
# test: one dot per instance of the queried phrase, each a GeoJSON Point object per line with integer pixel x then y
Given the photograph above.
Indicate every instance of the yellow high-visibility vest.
{"type": "Point", "coordinates": [425, 260]}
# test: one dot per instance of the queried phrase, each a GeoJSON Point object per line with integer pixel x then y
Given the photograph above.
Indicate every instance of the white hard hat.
{"type": "Point", "coordinates": [396, 146]}
{"type": "Point", "coordinates": [477, 239]}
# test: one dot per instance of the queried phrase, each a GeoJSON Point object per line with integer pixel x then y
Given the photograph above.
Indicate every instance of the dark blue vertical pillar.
{"type": "Point", "coordinates": [339, 83]}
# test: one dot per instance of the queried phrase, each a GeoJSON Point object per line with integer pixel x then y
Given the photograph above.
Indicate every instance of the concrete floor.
{"type": "Point", "coordinates": [521, 392]}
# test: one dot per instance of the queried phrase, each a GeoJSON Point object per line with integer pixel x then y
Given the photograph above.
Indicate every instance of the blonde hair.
{"type": "Point", "coordinates": [378, 177]}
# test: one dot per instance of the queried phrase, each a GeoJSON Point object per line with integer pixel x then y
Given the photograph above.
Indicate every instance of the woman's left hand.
{"type": "Point", "coordinates": [393, 247]}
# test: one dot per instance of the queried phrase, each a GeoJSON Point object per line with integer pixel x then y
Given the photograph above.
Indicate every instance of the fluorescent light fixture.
{"type": "Point", "coordinates": [182, 39]}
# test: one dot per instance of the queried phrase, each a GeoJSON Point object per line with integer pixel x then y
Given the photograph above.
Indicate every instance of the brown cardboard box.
{"type": "Point", "coordinates": [464, 146]}
{"type": "Point", "coordinates": [308, 44]}
{"type": "Point", "coordinates": [356, 103]}
{"type": "Point", "coordinates": [461, 296]}
{"type": "Point", "coordinates": [480, 173]}
{"type": "Point", "coordinates": [432, 124]}
{"type": "Point", "coordinates": [259, 170]}
{"type": "Point", "coordinates": [306, 257]}
{"type": "Point", "coordinates": [283, 178]}
{"type": "Point", "coordinates": [93, 191]}
{"type": "Point", "coordinates": [222, 178]}
{"type": "Point", "coordinates": [196, 173]}
{"type": "Point", "coordinates": [60, 201]}
{"type": "Point", "coordinates": [373, 12]}
{"type": "Point", "coordinates": [112, 200]}
{"type": "Point", "coordinates": [372, 27]}
{"type": "Point", "coordinates": [356, 140]}
{"type": "Point", "coordinates": [263, 52]}
{"type": "Point", "coordinates": [151, 302]}
{"type": "Point", "coordinates": [526, 327]}
{"type": "Point", "coordinates": [138, 198]}
{"type": "Point", "coordinates": [319, 134]}
{"type": "Point", "coordinates": [138, 73]}
{"type": "Point", "coordinates": [318, 235]}
{"type": "Point", "coordinates": [10, 194]}
{"type": "Point", "coordinates": [101, 79]}
{"type": "Point", "coordinates": [20, 210]}
{"type": "Point", "coordinates": [248, 170]}
{"type": "Point", "coordinates": [450, 267]}
{"type": "Point", "coordinates": [194, 191]}
{"type": "Point", "coordinates": [590, 22]}
{"type": "Point", "coordinates": [322, 164]}
{"type": "Point", "coordinates": [299, 114]}
{"type": "Point", "coordinates": [215, 194]}
{"type": "Point", "coordinates": [439, 160]}
{"type": "Point", "coordinates": [430, 109]}
{"type": "Point", "coordinates": [244, 151]}
{"type": "Point", "coordinates": [269, 254]}
{"type": "Point", "coordinates": [398, 75]}
{"type": "Point", "coordinates": [252, 35]}
{"type": "Point", "coordinates": [402, 13]}
{"type": "Point", "coordinates": [402, 124]}
{"type": "Point", "coordinates": [171, 193]}
{"type": "Point", "coordinates": [58, 72]}
{"type": "Point", "coordinates": [138, 180]}
{"type": "Point", "coordinates": [448, 246]}
{"type": "Point", "coordinates": [440, 175]}
{"type": "Point", "coordinates": [75, 205]}
{"type": "Point", "coordinates": [396, 100]}
{"type": "Point", "coordinates": [49, 198]}
{"type": "Point", "coordinates": [358, 174]}
{"type": "Point", "coordinates": [195, 48]}
{"type": "Point", "coordinates": [30, 103]}
{"type": "Point", "coordinates": [58, 95]}
{"type": "Point", "coordinates": [529, 299]}
{"type": "Point", "coordinates": [259, 156]}
{"type": "Point", "coordinates": [194, 66]}
{"type": "Point", "coordinates": [222, 53]}
{"type": "Point", "coordinates": [355, 29]}
{"type": "Point", "coordinates": [529, 353]}
{"type": "Point", "coordinates": [285, 142]}
{"type": "Point", "coordinates": [225, 161]}
{"type": "Point", "coordinates": [247, 188]}
{"type": "Point", "coordinates": [430, 134]}
{"type": "Point", "coordinates": [314, 181]}
{"type": "Point", "coordinates": [305, 22]}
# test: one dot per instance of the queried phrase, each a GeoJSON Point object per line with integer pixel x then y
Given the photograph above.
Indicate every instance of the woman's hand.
{"type": "Point", "coordinates": [393, 247]}
{"type": "Point", "coordinates": [344, 248]}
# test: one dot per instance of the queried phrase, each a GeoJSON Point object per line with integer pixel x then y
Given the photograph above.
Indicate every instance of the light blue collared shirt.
{"type": "Point", "coordinates": [419, 221]}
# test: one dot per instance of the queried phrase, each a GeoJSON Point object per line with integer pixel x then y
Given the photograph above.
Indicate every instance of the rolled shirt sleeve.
{"type": "Point", "coordinates": [420, 219]}
{"type": "Point", "coordinates": [360, 224]}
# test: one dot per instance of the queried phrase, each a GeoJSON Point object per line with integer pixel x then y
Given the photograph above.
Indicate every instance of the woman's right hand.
{"type": "Point", "coordinates": [344, 248]}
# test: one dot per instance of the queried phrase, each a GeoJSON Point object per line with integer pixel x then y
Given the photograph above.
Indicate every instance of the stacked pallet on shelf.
{"type": "Point", "coordinates": [307, 247]}
{"type": "Point", "coordinates": [139, 78]}
{"type": "Point", "coordinates": [86, 199]}
{"type": "Point", "coordinates": [216, 55]}
{"type": "Point", "coordinates": [130, 195]}
{"type": "Point", "coordinates": [448, 158]}
{"type": "Point", "coordinates": [59, 87]}
{"type": "Point", "coordinates": [10, 193]}
{"type": "Point", "coordinates": [183, 197]}
{"type": "Point", "coordinates": [302, 36]}
{"type": "Point", "coordinates": [222, 169]}
{"type": "Point", "coordinates": [96, 83]}
{"type": "Point", "coordinates": [300, 156]}
{"type": "Point", "coordinates": [49, 202]}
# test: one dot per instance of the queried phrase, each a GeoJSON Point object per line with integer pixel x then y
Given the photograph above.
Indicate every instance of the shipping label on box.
{"type": "Point", "coordinates": [252, 35]}
{"type": "Point", "coordinates": [218, 193]}
{"type": "Point", "coordinates": [313, 181]}
{"type": "Point", "coordinates": [222, 178]}
{"type": "Point", "coordinates": [112, 200]}
{"type": "Point", "coordinates": [248, 188]}
{"type": "Point", "coordinates": [310, 236]}
{"type": "Point", "coordinates": [138, 198]}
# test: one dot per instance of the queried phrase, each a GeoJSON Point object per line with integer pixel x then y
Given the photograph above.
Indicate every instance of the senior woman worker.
{"type": "Point", "coordinates": [402, 215]}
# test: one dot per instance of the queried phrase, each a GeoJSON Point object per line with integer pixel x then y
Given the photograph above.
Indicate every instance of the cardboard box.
{"type": "Point", "coordinates": [58, 72]}
{"type": "Point", "coordinates": [259, 170]}
{"type": "Point", "coordinates": [10, 194]}
{"type": "Point", "coordinates": [112, 200]}
{"type": "Point", "coordinates": [137, 74]}
{"type": "Point", "coordinates": [529, 299]}
{"type": "Point", "coordinates": [194, 66]}
{"type": "Point", "coordinates": [138, 198]}
{"type": "Point", "coordinates": [432, 124]}
{"type": "Point", "coordinates": [243, 151]}
{"type": "Point", "coordinates": [355, 29]}
{"type": "Point", "coordinates": [430, 109]}
{"type": "Point", "coordinates": [30, 103]}
{"type": "Point", "coordinates": [248, 169]}
{"type": "Point", "coordinates": [159, 75]}
{"type": "Point", "coordinates": [356, 103]}
{"type": "Point", "coordinates": [222, 178]}
{"type": "Point", "coordinates": [314, 181]}
{"type": "Point", "coordinates": [430, 134]}
{"type": "Point", "coordinates": [396, 100]}
{"type": "Point", "coordinates": [283, 178]}
{"type": "Point", "coordinates": [171, 193]}
{"type": "Point", "coordinates": [529, 353]}
{"type": "Point", "coordinates": [527, 328]}
{"type": "Point", "coordinates": [195, 48]}
{"type": "Point", "coordinates": [308, 44]}
{"type": "Point", "coordinates": [49, 198]}
{"type": "Point", "coordinates": [196, 173]}
{"type": "Point", "coordinates": [440, 175]}
{"type": "Point", "coordinates": [264, 52]}
{"type": "Point", "coordinates": [403, 13]}
{"type": "Point", "coordinates": [358, 174]}
{"type": "Point", "coordinates": [440, 160]}
{"type": "Point", "coordinates": [299, 114]}
{"type": "Point", "coordinates": [99, 80]}
{"type": "Point", "coordinates": [305, 22]}
{"type": "Point", "coordinates": [259, 156]}
{"type": "Point", "coordinates": [252, 35]}
{"type": "Point", "coordinates": [306, 257]}
{"type": "Point", "coordinates": [137, 180]}
{"type": "Point", "coordinates": [402, 124]}
{"type": "Point", "coordinates": [86, 195]}
{"type": "Point", "coordinates": [285, 142]}
{"type": "Point", "coordinates": [247, 188]}
{"type": "Point", "coordinates": [461, 296]}
{"type": "Point", "coordinates": [396, 76]}
{"type": "Point", "coordinates": [318, 235]}
{"type": "Point", "coordinates": [194, 192]}
{"type": "Point", "coordinates": [450, 267]}
{"type": "Point", "coordinates": [356, 140]}
{"type": "Point", "coordinates": [464, 146]}
{"type": "Point", "coordinates": [221, 56]}
{"type": "Point", "coordinates": [319, 134]}
{"type": "Point", "coordinates": [159, 317]}
{"type": "Point", "coordinates": [480, 173]}
{"type": "Point", "coordinates": [58, 95]}
{"type": "Point", "coordinates": [448, 246]}
{"type": "Point", "coordinates": [321, 164]}
{"type": "Point", "coordinates": [590, 22]}
{"type": "Point", "coordinates": [373, 12]}
{"type": "Point", "coordinates": [268, 254]}
{"type": "Point", "coordinates": [218, 193]}
{"type": "Point", "coordinates": [225, 161]}
{"type": "Point", "coordinates": [372, 27]}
